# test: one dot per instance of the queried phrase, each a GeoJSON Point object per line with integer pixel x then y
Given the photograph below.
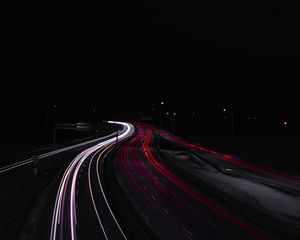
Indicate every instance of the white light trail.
{"type": "Point", "coordinates": [71, 174]}
{"type": "Point", "coordinates": [30, 160]}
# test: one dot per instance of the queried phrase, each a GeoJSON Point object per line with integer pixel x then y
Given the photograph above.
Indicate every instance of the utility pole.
{"type": "Point", "coordinates": [160, 122]}
{"type": "Point", "coordinates": [160, 115]}
{"type": "Point", "coordinates": [173, 127]}
{"type": "Point", "coordinates": [232, 125]}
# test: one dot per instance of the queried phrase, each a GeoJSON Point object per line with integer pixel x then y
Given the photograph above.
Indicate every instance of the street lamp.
{"type": "Point", "coordinates": [232, 125]}
{"type": "Point", "coordinates": [172, 113]}
{"type": "Point", "coordinates": [173, 124]}
{"type": "Point", "coordinates": [160, 120]}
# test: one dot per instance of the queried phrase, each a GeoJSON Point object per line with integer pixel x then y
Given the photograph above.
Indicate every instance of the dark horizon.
{"type": "Point", "coordinates": [195, 57]}
{"type": "Point", "coordinates": [117, 59]}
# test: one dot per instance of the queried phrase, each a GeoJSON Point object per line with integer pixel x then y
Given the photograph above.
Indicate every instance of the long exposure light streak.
{"type": "Point", "coordinates": [67, 188]}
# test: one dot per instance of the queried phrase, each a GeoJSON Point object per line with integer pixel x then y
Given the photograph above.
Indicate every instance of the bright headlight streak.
{"type": "Point", "coordinates": [58, 202]}
{"type": "Point", "coordinates": [73, 191]}
{"type": "Point", "coordinates": [74, 168]}
{"type": "Point", "coordinates": [92, 197]}
{"type": "Point", "coordinates": [104, 196]}
{"type": "Point", "coordinates": [74, 180]}
{"type": "Point", "coordinates": [29, 160]}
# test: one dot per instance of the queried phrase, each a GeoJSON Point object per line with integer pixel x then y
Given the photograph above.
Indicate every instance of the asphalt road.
{"type": "Point", "coordinates": [90, 214]}
{"type": "Point", "coordinates": [169, 206]}
{"type": "Point", "coordinates": [129, 189]}
{"type": "Point", "coordinates": [20, 191]}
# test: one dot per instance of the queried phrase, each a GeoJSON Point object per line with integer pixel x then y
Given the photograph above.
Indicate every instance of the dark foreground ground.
{"type": "Point", "coordinates": [20, 191]}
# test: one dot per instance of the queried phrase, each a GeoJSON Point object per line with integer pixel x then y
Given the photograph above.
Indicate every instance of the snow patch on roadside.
{"type": "Point", "coordinates": [258, 194]}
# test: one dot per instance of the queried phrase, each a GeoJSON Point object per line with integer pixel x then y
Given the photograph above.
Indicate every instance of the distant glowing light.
{"type": "Point", "coordinates": [174, 113]}
{"type": "Point", "coordinates": [162, 103]}
{"type": "Point", "coordinates": [285, 123]}
{"type": "Point", "coordinates": [167, 113]}
{"type": "Point", "coordinates": [224, 109]}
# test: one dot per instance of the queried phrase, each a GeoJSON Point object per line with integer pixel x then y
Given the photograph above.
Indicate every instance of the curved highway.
{"type": "Point", "coordinates": [145, 191]}
{"type": "Point", "coordinates": [169, 206]}
{"type": "Point", "coordinates": [66, 217]}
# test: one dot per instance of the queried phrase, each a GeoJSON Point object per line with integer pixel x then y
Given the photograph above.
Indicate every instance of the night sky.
{"type": "Point", "coordinates": [121, 55]}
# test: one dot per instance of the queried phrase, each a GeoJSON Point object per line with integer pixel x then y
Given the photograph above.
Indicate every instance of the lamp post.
{"type": "Point", "coordinates": [173, 114]}
{"type": "Point", "coordinates": [160, 113]}
{"type": "Point", "coordinates": [160, 120]}
{"type": "Point", "coordinates": [173, 122]}
{"type": "Point", "coordinates": [54, 134]}
{"type": "Point", "coordinates": [173, 126]}
{"type": "Point", "coordinates": [232, 125]}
